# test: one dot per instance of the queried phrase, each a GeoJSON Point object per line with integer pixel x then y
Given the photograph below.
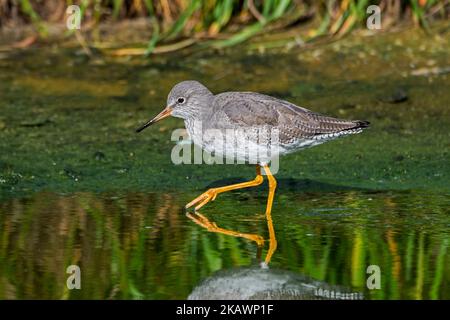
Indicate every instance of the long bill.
{"type": "Point", "coordinates": [163, 114]}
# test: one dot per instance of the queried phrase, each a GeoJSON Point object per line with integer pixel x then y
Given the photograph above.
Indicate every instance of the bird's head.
{"type": "Point", "coordinates": [186, 100]}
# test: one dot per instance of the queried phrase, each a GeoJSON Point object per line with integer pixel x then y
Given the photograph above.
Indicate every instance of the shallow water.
{"type": "Point", "coordinates": [141, 245]}
{"type": "Point", "coordinates": [78, 186]}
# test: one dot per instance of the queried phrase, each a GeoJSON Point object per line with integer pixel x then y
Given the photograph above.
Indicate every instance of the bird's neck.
{"type": "Point", "coordinates": [194, 127]}
{"type": "Point", "coordinates": [196, 124]}
{"type": "Point", "coordinates": [197, 114]}
{"type": "Point", "coordinates": [196, 118]}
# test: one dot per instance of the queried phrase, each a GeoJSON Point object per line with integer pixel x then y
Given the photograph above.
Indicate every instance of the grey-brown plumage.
{"type": "Point", "coordinates": [259, 122]}
{"type": "Point", "coordinates": [248, 109]}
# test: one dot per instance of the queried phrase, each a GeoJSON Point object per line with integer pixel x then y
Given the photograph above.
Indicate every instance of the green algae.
{"type": "Point", "coordinates": [58, 110]}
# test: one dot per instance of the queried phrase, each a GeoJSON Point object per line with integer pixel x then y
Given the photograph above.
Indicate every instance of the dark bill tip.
{"type": "Point", "coordinates": [163, 114]}
{"type": "Point", "coordinates": [148, 124]}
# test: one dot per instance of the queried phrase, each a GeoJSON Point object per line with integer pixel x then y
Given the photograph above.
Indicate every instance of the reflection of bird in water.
{"type": "Point", "coordinates": [260, 282]}
{"type": "Point", "coordinates": [267, 284]}
{"type": "Point", "coordinates": [211, 226]}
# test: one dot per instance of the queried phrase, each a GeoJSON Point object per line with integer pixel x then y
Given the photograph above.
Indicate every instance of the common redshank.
{"type": "Point", "coordinates": [209, 118]}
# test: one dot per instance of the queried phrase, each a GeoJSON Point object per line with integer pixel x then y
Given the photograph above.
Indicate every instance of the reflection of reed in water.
{"type": "Point", "coordinates": [106, 236]}
{"type": "Point", "coordinates": [139, 245]}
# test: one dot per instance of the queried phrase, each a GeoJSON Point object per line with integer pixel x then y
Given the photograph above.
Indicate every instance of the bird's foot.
{"type": "Point", "coordinates": [203, 199]}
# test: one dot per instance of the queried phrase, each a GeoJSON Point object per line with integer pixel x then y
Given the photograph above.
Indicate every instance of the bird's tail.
{"type": "Point", "coordinates": [361, 124]}
{"type": "Point", "coordinates": [357, 128]}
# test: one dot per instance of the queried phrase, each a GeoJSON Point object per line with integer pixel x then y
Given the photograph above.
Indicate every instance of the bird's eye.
{"type": "Point", "coordinates": [181, 100]}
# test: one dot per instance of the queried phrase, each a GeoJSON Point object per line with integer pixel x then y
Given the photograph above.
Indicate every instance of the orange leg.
{"type": "Point", "coordinates": [201, 220]}
{"type": "Point", "coordinates": [272, 239]}
{"type": "Point", "coordinates": [212, 193]}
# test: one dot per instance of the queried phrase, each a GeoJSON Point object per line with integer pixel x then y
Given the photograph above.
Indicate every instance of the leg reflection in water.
{"type": "Point", "coordinates": [254, 282]}
{"type": "Point", "coordinates": [211, 226]}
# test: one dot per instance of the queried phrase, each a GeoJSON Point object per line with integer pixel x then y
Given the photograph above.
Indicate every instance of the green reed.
{"type": "Point", "coordinates": [224, 23]}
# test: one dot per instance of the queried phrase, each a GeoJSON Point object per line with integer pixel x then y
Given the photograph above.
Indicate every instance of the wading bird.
{"type": "Point", "coordinates": [249, 114]}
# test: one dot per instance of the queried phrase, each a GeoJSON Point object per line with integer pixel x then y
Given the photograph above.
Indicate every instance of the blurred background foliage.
{"type": "Point", "coordinates": [222, 23]}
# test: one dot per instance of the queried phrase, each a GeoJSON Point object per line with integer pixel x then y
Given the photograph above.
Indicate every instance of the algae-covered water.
{"type": "Point", "coordinates": [79, 187]}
